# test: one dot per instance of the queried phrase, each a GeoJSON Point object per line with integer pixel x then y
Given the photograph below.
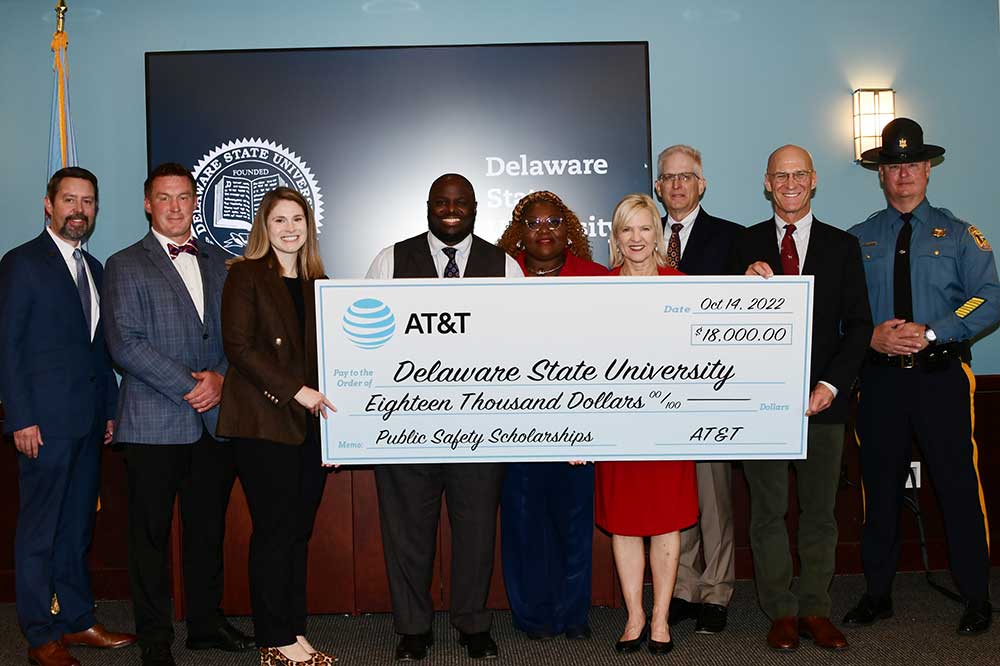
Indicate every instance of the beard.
{"type": "Point", "coordinates": [451, 235]}
{"type": "Point", "coordinates": [75, 233]}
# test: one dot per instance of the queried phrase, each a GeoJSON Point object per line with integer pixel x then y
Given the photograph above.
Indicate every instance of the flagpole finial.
{"type": "Point", "coordinates": [61, 10]}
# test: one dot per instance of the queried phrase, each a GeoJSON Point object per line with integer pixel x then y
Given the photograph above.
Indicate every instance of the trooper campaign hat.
{"type": "Point", "coordinates": [902, 142]}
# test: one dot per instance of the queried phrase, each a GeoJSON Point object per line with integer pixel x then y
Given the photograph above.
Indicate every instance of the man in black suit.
{"type": "Point", "coordinates": [409, 495]}
{"type": "Point", "coordinates": [700, 244]}
{"type": "Point", "coordinates": [793, 242]}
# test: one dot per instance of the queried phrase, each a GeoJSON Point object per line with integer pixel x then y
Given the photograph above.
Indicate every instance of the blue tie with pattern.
{"type": "Point", "coordinates": [83, 286]}
{"type": "Point", "coordinates": [451, 270]}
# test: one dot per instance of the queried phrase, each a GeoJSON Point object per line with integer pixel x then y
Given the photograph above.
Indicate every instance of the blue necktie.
{"type": "Point", "coordinates": [83, 286]}
{"type": "Point", "coordinates": [451, 270]}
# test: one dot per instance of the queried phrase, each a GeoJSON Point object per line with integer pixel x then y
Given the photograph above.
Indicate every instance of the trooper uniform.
{"type": "Point", "coordinates": [929, 395]}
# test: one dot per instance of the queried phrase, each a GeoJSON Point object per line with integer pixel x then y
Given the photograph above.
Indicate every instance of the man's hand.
{"type": "Point", "coordinates": [109, 431]}
{"type": "Point", "coordinates": [897, 337]}
{"type": "Point", "coordinates": [207, 392]}
{"type": "Point", "coordinates": [819, 399]}
{"type": "Point", "coordinates": [27, 440]}
{"type": "Point", "coordinates": [761, 268]}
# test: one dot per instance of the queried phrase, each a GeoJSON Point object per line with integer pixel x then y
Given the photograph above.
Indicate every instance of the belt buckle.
{"type": "Point", "coordinates": [907, 361]}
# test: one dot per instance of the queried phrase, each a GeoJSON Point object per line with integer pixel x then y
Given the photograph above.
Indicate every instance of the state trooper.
{"type": "Point", "coordinates": [932, 284]}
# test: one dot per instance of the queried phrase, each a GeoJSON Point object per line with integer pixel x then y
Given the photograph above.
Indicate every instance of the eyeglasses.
{"type": "Point", "coordinates": [800, 177]}
{"type": "Point", "coordinates": [685, 177]}
{"type": "Point", "coordinates": [550, 222]}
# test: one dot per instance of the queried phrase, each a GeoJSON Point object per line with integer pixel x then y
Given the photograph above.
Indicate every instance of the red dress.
{"type": "Point", "coordinates": [648, 497]}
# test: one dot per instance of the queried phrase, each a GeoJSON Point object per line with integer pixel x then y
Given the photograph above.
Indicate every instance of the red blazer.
{"type": "Point", "coordinates": [574, 266]}
{"type": "Point", "coordinates": [662, 270]}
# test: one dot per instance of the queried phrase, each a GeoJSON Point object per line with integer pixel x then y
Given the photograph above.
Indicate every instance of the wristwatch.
{"type": "Point", "coordinates": [930, 336]}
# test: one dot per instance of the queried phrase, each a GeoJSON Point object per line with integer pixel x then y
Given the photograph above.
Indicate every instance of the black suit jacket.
{"type": "Point", "coordinates": [709, 248]}
{"type": "Point", "coordinates": [842, 318]}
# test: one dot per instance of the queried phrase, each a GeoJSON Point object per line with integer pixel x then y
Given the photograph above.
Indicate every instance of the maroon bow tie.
{"type": "Point", "coordinates": [190, 247]}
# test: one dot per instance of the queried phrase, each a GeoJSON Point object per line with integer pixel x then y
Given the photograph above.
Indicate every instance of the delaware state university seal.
{"type": "Point", "coordinates": [233, 178]}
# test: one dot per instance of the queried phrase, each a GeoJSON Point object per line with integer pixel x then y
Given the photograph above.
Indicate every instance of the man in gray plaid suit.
{"type": "Point", "coordinates": [161, 314]}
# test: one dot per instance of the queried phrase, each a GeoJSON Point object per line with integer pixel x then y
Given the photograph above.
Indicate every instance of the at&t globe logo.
{"type": "Point", "coordinates": [369, 323]}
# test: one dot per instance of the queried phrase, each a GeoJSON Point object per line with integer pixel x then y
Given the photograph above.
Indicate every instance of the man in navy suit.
{"type": "Point", "coordinates": [163, 330]}
{"type": "Point", "coordinates": [700, 244]}
{"type": "Point", "coordinates": [794, 242]}
{"type": "Point", "coordinates": [59, 393]}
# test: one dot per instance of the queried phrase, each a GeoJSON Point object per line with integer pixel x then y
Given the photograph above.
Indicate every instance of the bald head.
{"type": "Point", "coordinates": [451, 208]}
{"type": "Point", "coordinates": [790, 179]}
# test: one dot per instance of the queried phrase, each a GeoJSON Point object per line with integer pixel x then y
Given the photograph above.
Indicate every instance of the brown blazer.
{"type": "Point", "coordinates": [267, 361]}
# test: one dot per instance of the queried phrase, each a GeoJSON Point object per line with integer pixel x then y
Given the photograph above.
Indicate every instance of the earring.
{"type": "Point", "coordinates": [519, 245]}
{"type": "Point", "coordinates": [569, 241]}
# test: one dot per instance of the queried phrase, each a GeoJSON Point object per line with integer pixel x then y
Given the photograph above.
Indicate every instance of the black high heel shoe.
{"type": "Point", "coordinates": [660, 647]}
{"type": "Point", "coordinates": [628, 647]}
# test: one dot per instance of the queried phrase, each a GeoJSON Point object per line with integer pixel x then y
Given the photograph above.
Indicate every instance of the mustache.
{"type": "Point", "coordinates": [78, 217]}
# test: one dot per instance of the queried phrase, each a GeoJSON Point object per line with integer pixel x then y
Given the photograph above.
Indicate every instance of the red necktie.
{"type": "Point", "coordinates": [789, 255]}
{"type": "Point", "coordinates": [674, 246]}
{"type": "Point", "coordinates": [190, 247]}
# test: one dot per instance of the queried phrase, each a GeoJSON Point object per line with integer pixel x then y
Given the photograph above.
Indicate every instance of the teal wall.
{"type": "Point", "coordinates": [735, 78]}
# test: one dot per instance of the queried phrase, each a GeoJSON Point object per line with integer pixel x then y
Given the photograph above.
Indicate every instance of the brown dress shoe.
{"type": "Point", "coordinates": [784, 635]}
{"type": "Point", "coordinates": [98, 637]}
{"type": "Point", "coordinates": [51, 654]}
{"type": "Point", "coordinates": [822, 632]}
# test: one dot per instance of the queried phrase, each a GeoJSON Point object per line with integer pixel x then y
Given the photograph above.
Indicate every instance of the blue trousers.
{"type": "Point", "coordinates": [55, 523]}
{"type": "Point", "coordinates": [547, 528]}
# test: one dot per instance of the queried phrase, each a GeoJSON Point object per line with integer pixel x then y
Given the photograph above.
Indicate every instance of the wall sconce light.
{"type": "Point", "coordinates": [873, 109]}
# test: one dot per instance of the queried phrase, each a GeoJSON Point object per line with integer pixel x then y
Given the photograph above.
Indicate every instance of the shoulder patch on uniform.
{"type": "Point", "coordinates": [969, 307]}
{"type": "Point", "coordinates": [980, 239]}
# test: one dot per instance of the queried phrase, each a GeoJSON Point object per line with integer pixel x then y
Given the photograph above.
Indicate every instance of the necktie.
{"type": "Point", "coordinates": [190, 247]}
{"type": "Point", "coordinates": [789, 254]}
{"type": "Point", "coordinates": [674, 245]}
{"type": "Point", "coordinates": [451, 270]}
{"type": "Point", "coordinates": [83, 286]}
{"type": "Point", "coordinates": [902, 292]}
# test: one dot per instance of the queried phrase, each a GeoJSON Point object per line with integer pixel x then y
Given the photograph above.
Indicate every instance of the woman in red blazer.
{"type": "Point", "coordinates": [270, 411]}
{"type": "Point", "coordinates": [547, 508]}
{"type": "Point", "coordinates": [653, 499]}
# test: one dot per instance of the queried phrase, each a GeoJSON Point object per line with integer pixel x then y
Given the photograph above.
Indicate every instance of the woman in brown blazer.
{"type": "Point", "coordinates": [270, 411]}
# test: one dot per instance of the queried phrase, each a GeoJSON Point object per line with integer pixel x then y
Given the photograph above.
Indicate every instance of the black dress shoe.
{"type": "Point", "coordinates": [157, 655]}
{"type": "Point", "coordinates": [480, 645]}
{"type": "Point", "coordinates": [413, 647]}
{"type": "Point", "coordinates": [711, 619]}
{"type": "Point", "coordinates": [225, 637]}
{"type": "Point", "coordinates": [660, 647]}
{"type": "Point", "coordinates": [628, 647]}
{"type": "Point", "coordinates": [868, 610]}
{"type": "Point", "coordinates": [539, 635]}
{"type": "Point", "coordinates": [682, 609]}
{"type": "Point", "coordinates": [579, 633]}
{"type": "Point", "coordinates": [976, 619]}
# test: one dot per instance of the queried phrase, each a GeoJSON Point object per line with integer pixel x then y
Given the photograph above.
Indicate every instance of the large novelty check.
{"type": "Point", "coordinates": [616, 368]}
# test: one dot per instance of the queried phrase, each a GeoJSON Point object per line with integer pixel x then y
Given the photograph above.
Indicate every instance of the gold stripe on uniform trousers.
{"type": "Point", "coordinates": [864, 501]}
{"type": "Point", "coordinates": [967, 308]}
{"type": "Point", "coordinates": [975, 449]}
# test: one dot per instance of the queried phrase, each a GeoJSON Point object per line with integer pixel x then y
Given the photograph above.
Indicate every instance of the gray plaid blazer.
{"type": "Point", "coordinates": [157, 340]}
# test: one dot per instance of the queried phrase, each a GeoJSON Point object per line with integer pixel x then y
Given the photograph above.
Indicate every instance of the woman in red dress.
{"type": "Point", "coordinates": [647, 498]}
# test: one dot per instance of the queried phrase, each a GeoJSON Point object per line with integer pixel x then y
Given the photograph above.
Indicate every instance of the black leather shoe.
{"type": "Point", "coordinates": [659, 647]}
{"type": "Point", "coordinates": [539, 635]}
{"type": "Point", "coordinates": [479, 646]}
{"type": "Point", "coordinates": [682, 609]}
{"type": "Point", "coordinates": [157, 655]}
{"type": "Point", "coordinates": [868, 610]}
{"type": "Point", "coordinates": [628, 647]}
{"type": "Point", "coordinates": [580, 633]}
{"type": "Point", "coordinates": [226, 637]}
{"type": "Point", "coordinates": [413, 647]}
{"type": "Point", "coordinates": [976, 619]}
{"type": "Point", "coordinates": [711, 619]}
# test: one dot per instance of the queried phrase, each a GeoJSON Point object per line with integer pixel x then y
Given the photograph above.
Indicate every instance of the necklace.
{"type": "Point", "coordinates": [549, 271]}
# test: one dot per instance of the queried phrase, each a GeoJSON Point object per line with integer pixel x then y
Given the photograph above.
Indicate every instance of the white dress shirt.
{"type": "Point", "coordinates": [801, 238]}
{"type": "Point", "coordinates": [801, 235]}
{"type": "Point", "coordinates": [382, 265]}
{"type": "Point", "coordinates": [685, 231]}
{"type": "Point", "coordinates": [66, 250]}
{"type": "Point", "coordinates": [187, 267]}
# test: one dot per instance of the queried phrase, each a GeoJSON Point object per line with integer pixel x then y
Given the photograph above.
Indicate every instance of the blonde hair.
{"type": "Point", "coordinates": [310, 264]}
{"type": "Point", "coordinates": [627, 208]}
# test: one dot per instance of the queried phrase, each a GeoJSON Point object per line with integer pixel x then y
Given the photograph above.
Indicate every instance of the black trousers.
{"type": "Point", "coordinates": [284, 487]}
{"type": "Point", "coordinates": [936, 407]}
{"type": "Point", "coordinates": [202, 474]}
{"type": "Point", "coordinates": [409, 498]}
